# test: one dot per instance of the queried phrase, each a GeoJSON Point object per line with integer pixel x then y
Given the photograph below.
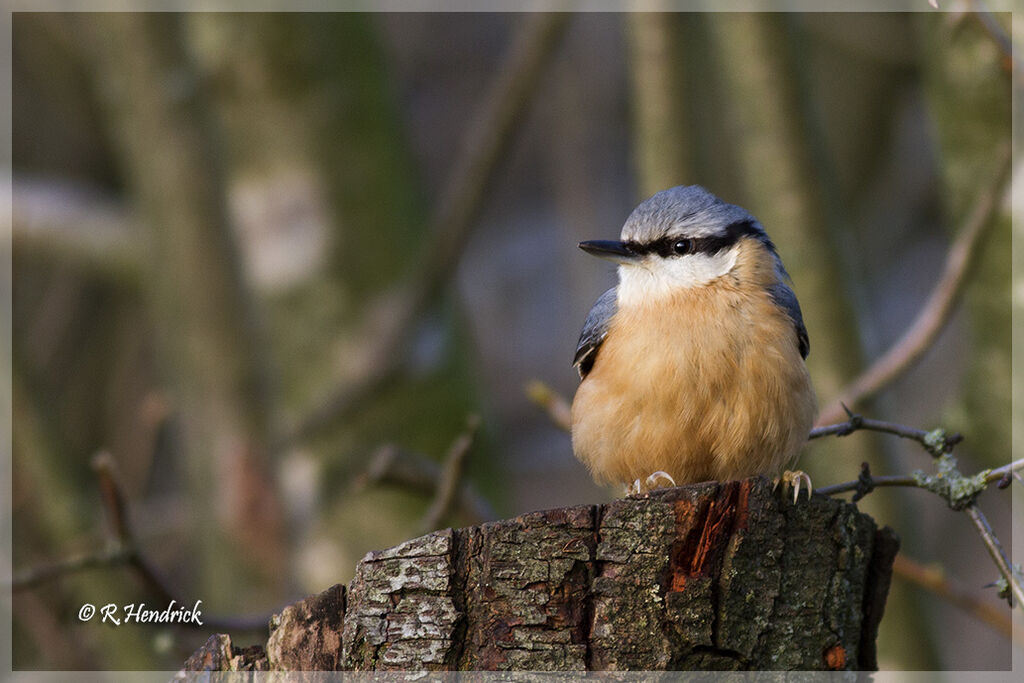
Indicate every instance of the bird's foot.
{"type": "Point", "coordinates": [642, 485]}
{"type": "Point", "coordinates": [793, 480]}
{"type": "Point", "coordinates": [652, 480]}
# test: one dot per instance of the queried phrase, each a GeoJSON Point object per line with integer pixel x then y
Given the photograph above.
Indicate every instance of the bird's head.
{"type": "Point", "coordinates": [679, 238]}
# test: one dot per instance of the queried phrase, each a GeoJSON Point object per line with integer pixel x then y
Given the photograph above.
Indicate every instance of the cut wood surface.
{"type": "Point", "coordinates": [713, 576]}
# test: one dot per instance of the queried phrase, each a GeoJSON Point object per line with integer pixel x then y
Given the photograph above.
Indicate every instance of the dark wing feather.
{"type": "Point", "coordinates": [785, 299]}
{"type": "Point", "coordinates": [594, 331]}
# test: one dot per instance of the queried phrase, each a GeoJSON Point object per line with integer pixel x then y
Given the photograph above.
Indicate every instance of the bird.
{"type": "Point", "coordinates": [692, 368]}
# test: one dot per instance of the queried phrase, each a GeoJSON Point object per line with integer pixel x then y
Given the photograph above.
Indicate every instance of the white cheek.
{"type": "Point", "coordinates": [656, 277]}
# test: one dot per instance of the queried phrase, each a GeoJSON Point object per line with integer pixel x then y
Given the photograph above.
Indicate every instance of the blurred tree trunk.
{"type": "Point", "coordinates": [324, 188]}
{"type": "Point", "coordinates": [782, 186]}
{"type": "Point", "coordinates": [968, 88]}
{"type": "Point", "coordinates": [660, 124]}
{"type": "Point", "coordinates": [772, 142]}
{"type": "Point", "coordinates": [74, 321]}
{"type": "Point", "coordinates": [202, 311]}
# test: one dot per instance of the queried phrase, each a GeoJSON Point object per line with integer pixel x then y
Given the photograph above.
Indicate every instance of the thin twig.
{"type": "Point", "coordinates": [876, 482]}
{"type": "Point", "coordinates": [935, 442]}
{"type": "Point", "coordinates": [997, 34]}
{"type": "Point", "coordinates": [378, 467]}
{"type": "Point", "coordinates": [959, 492]}
{"type": "Point", "coordinates": [935, 581]}
{"type": "Point", "coordinates": [866, 483]}
{"type": "Point", "coordinates": [553, 403]}
{"type": "Point", "coordinates": [113, 500]}
{"type": "Point", "coordinates": [451, 477]}
{"type": "Point", "coordinates": [484, 145]}
{"type": "Point", "coordinates": [487, 142]}
{"type": "Point", "coordinates": [1009, 477]}
{"type": "Point", "coordinates": [34, 576]}
{"type": "Point", "coordinates": [416, 472]}
{"type": "Point", "coordinates": [124, 550]}
{"type": "Point", "coordinates": [995, 551]}
{"type": "Point", "coordinates": [932, 317]}
{"type": "Point", "coordinates": [995, 475]}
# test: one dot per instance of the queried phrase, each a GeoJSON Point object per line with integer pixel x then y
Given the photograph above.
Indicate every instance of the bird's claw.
{"type": "Point", "coordinates": [653, 478]}
{"type": "Point", "coordinates": [639, 486]}
{"type": "Point", "coordinates": [794, 480]}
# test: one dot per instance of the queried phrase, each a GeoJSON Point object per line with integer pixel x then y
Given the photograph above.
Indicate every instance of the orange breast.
{"type": "Point", "coordinates": [706, 384]}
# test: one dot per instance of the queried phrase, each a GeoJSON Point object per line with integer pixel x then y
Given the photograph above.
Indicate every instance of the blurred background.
{"type": "Point", "coordinates": [281, 281]}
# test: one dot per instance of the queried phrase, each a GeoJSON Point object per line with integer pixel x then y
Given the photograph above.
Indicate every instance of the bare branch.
{"type": "Point", "coordinates": [998, 36]}
{"type": "Point", "coordinates": [937, 309]}
{"type": "Point", "coordinates": [379, 467]}
{"type": "Point", "coordinates": [113, 500]}
{"type": "Point", "coordinates": [867, 482]}
{"type": "Point", "coordinates": [1008, 477]}
{"type": "Point", "coordinates": [959, 492]}
{"type": "Point", "coordinates": [862, 490]}
{"type": "Point", "coordinates": [935, 581]}
{"type": "Point", "coordinates": [484, 145]}
{"type": "Point", "coordinates": [995, 551]}
{"type": "Point", "coordinates": [34, 576]}
{"type": "Point", "coordinates": [553, 403]}
{"type": "Point", "coordinates": [935, 442]}
{"type": "Point", "coordinates": [451, 476]}
{"type": "Point", "coordinates": [416, 472]}
{"type": "Point", "coordinates": [124, 550]}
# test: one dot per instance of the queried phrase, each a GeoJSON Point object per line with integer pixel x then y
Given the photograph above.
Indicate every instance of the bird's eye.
{"type": "Point", "coordinates": [682, 246]}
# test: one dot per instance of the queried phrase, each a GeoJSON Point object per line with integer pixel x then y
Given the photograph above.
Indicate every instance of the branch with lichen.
{"type": "Point", "coordinates": [958, 490]}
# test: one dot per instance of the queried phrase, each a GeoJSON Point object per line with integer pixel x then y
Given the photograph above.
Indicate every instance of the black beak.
{"type": "Point", "coordinates": [609, 249]}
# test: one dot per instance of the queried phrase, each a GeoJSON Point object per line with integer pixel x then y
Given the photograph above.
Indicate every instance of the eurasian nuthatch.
{"type": "Point", "coordinates": [692, 367]}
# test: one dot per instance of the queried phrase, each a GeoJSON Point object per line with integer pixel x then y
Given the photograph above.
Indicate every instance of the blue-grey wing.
{"type": "Point", "coordinates": [595, 329]}
{"type": "Point", "coordinates": [785, 299]}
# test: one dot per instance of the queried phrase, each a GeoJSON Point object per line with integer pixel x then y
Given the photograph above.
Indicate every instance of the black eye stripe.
{"type": "Point", "coordinates": [698, 245]}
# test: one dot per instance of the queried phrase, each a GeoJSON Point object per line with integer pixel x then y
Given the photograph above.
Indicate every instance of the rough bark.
{"type": "Point", "coordinates": [714, 576]}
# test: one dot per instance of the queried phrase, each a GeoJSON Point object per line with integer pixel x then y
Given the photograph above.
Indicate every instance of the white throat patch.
{"type": "Point", "coordinates": [655, 277]}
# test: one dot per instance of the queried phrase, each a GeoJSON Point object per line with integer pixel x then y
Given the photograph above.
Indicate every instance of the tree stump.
{"type": "Point", "coordinates": [713, 576]}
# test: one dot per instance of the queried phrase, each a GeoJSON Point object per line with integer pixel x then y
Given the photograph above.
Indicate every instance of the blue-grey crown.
{"type": "Point", "coordinates": [686, 210]}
